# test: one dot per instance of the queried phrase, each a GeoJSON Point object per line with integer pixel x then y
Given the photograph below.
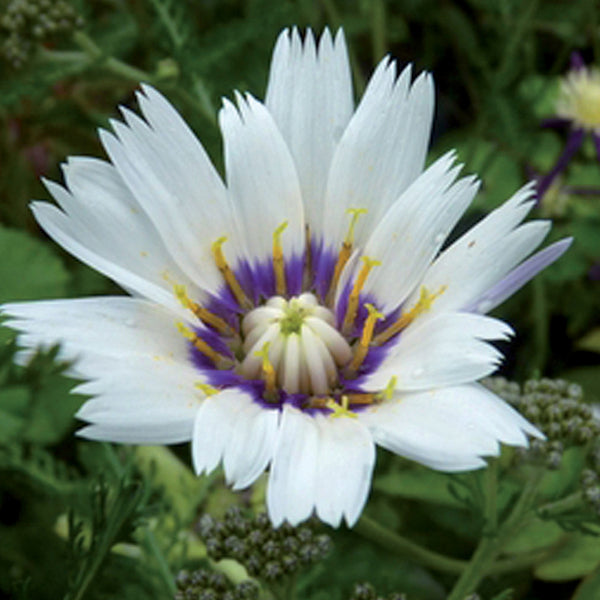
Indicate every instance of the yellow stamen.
{"type": "Point", "coordinates": [278, 262]}
{"type": "Point", "coordinates": [221, 362]}
{"type": "Point", "coordinates": [388, 392]}
{"type": "Point", "coordinates": [362, 348]}
{"type": "Point", "coordinates": [269, 374]}
{"type": "Point", "coordinates": [340, 410]}
{"type": "Point", "coordinates": [345, 251]}
{"type": "Point", "coordinates": [208, 390]}
{"type": "Point", "coordinates": [228, 275]}
{"type": "Point", "coordinates": [423, 305]}
{"type": "Point", "coordinates": [368, 264]}
{"type": "Point", "coordinates": [202, 313]}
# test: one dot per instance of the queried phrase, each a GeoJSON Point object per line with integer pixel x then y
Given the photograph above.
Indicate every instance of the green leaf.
{"type": "Point", "coordinates": [52, 411]}
{"type": "Point", "coordinates": [418, 484]}
{"type": "Point", "coordinates": [559, 483]}
{"type": "Point", "coordinates": [578, 556]}
{"type": "Point", "coordinates": [535, 535]}
{"type": "Point", "coordinates": [13, 411]}
{"type": "Point", "coordinates": [589, 588]}
{"type": "Point", "coordinates": [541, 93]}
{"type": "Point", "coordinates": [29, 270]}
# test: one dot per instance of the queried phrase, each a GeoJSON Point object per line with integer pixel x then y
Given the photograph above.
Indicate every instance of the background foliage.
{"type": "Point", "coordinates": [81, 519]}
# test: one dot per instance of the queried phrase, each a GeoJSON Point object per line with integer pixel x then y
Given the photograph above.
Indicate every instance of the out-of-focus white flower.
{"type": "Point", "coordinates": [579, 99]}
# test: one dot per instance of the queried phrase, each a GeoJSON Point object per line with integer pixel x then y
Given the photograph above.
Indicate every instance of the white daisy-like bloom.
{"type": "Point", "coordinates": [304, 311]}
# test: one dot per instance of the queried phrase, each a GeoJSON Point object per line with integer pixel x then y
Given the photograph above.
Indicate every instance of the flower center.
{"type": "Point", "coordinates": [292, 348]}
{"type": "Point", "coordinates": [580, 98]}
{"type": "Point", "coordinates": [297, 341]}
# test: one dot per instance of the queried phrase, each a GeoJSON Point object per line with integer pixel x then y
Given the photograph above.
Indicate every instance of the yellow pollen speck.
{"type": "Point", "coordinates": [423, 304]}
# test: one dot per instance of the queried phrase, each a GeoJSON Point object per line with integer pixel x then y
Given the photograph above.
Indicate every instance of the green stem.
{"type": "Point", "coordinates": [163, 567]}
{"type": "Point", "coordinates": [514, 43]}
{"type": "Point", "coordinates": [491, 497]}
{"type": "Point", "coordinates": [540, 323]}
{"type": "Point", "coordinates": [552, 509]}
{"type": "Point", "coordinates": [375, 532]}
{"type": "Point", "coordinates": [490, 546]}
{"type": "Point", "coordinates": [378, 30]}
{"type": "Point", "coordinates": [521, 562]}
{"type": "Point", "coordinates": [114, 65]}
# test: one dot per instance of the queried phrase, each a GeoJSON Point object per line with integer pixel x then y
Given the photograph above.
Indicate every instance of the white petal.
{"type": "Point", "coordinates": [261, 179]}
{"type": "Point", "coordinates": [101, 334]}
{"type": "Point", "coordinates": [214, 426]}
{"type": "Point", "coordinates": [182, 195]}
{"type": "Point", "coordinates": [381, 152]}
{"type": "Point", "coordinates": [448, 429]}
{"type": "Point", "coordinates": [482, 256]}
{"type": "Point", "coordinates": [310, 97]}
{"type": "Point", "coordinates": [141, 432]}
{"type": "Point", "coordinates": [72, 236]}
{"type": "Point", "coordinates": [345, 466]}
{"type": "Point", "coordinates": [414, 229]}
{"type": "Point", "coordinates": [292, 479]}
{"type": "Point", "coordinates": [447, 349]}
{"type": "Point", "coordinates": [140, 406]}
{"type": "Point", "coordinates": [105, 217]}
{"type": "Point", "coordinates": [252, 443]}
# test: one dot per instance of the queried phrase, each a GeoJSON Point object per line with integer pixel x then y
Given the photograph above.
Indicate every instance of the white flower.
{"type": "Point", "coordinates": [303, 312]}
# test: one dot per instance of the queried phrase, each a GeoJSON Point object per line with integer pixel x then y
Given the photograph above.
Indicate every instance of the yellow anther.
{"type": "Point", "coordinates": [340, 410]}
{"type": "Point", "coordinates": [345, 251]}
{"type": "Point", "coordinates": [228, 275]}
{"type": "Point", "coordinates": [423, 305]}
{"type": "Point", "coordinates": [362, 348]}
{"type": "Point", "coordinates": [278, 262]}
{"type": "Point", "coordinates": [220, 361]}
{"type": "Point", "coordinates": [208, 390]}
{"type": "Point", "coordinates": [368, 264]}
{"type": "Point", "coordinates": [202, 313]}
{"type": "Point", "coordinates": [269, 374]}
